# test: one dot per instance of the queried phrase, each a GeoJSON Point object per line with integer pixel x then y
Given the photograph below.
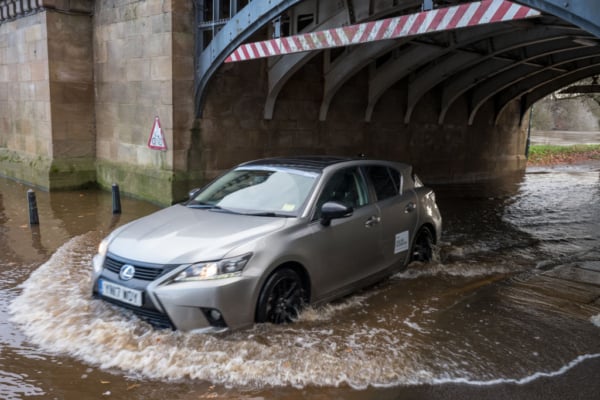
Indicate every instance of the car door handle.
{"type": "Point", "coordinates": [410, 207]}
{"type": "Point", "coordinates": [374, 220]}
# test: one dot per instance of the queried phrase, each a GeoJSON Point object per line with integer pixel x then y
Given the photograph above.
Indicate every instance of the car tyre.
{"type": "Point", "coordinates": [422, 248]}
{"type": "Point", "coordinates": [282, 298]}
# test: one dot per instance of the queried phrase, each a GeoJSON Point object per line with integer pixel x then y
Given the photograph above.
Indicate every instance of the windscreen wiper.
{"type": "Point", "coordinates": [211, 207]}
{"type": "Point", "coordinates": [267, 214]}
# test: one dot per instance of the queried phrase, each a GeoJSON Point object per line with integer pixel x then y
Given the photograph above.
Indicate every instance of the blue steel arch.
{"type": "Point", "coordinates": [236, 31]}
{"type": "Point", "coordinates": [583, 13]}
{"type": "Point", "coordinates": [581, 16]}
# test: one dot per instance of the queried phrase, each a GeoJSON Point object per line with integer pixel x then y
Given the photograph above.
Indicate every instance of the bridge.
{"type": "Point", "coordinates": [445, 85]}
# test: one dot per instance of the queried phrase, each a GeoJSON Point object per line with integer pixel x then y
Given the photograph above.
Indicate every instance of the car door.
{"type": "Point", "coordinates": [398, 211]}
{"type": "Point", "coordinates": [347, 250]}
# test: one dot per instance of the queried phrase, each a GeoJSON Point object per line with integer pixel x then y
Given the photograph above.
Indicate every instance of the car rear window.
{"type": "Point", "coordinates": [386, 181]}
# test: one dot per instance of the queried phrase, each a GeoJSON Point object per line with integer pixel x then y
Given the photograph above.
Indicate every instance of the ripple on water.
{"type": "Point", "coordinates": [341, 343]}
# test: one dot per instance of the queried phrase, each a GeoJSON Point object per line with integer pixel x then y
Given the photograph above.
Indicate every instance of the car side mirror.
{"type": "Point", "coordinates": [333, 210]}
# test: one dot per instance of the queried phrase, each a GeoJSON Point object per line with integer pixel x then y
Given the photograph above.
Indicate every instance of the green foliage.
{"type": "Point", "coordinates": [550, 154]}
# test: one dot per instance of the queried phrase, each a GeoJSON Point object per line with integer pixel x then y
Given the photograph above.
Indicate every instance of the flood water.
{"type": "Point", "coordinates": [482, 316]}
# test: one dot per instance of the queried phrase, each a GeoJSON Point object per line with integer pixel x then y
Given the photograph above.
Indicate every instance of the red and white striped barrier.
{"type": "Point", "coordinates": [460, 16]}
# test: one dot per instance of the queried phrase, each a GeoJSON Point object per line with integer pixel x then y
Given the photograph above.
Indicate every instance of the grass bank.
{"type": "Point", "coordinates": [545, 154]}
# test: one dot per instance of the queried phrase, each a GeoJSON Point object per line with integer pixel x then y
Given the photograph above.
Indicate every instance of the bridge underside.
{"type": "Point", "coordinates": [82, 83]}
{"type": "Point", "coordinates": [450, 102]}
{"type": "Point", "coordinates": [498, 63]}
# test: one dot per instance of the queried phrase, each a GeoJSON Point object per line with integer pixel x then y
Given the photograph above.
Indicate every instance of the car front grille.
{"type": "Point", "coordinates": [150, 315]}
{"type": "Point", "coordinates": [142, 272]}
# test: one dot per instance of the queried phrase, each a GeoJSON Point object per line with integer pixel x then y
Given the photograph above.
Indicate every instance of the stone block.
{"type": "Point", "coordinates": [137, 69]}
{"type": "Point", "coordinates": [183, 44]}
{"type": "Point", "coordinates": [127, 112]}
{"type": "Point", "coordinates": [156, 7]}
{"type": "Point", "coordinates": [112, 71]}
{"type": "Point", "coordinates": [157, 45]}
{"type": "Point", "coordinates": [149, 93]}
{"type": "Point", "coordinates": [74, 113]}
{"type": "Point", "coordinates": [160, 23]}
{"type": "Point", "coordinates": [39, 71]}
{"type": "Point", "coordinates": [73, 148]}
{"type": "Point", "coordinates": [127, 153]}
{"type": "Point", "coordinates": [71, 70]}
{"type": "Point", "coordinates": [183, 118]}
{"type": "Point", "coordinates": [26, 91]}
{"type": "Point", "coordinates": [36, 33]}
{"type": "Point", "coordinates": [134, 46]}
{"type": "Point", "coordinates": [104, 149]}
{"type": "Point", "coordinates": [115, 31]}
{"type": "Point", "coordinates": [183, 68]}
{"type": "Point", "coordinates": [100, 51]}
{"type": "Point", "coordinates": [171, 93]}
{"type": "Point", "coordinates": [79, 94]}
{"type": "Point", "coordinates": [161, 68]}
{"type": "Point", "coordinates": [116, 51]}
{"type": "Point", "coordinates": [136, 27]}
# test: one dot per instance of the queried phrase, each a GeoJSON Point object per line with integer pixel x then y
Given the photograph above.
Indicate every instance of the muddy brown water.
{"type": "Point", "coordinates": [483, 315]}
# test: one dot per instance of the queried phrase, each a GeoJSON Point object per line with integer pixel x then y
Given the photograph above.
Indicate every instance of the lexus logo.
{"type": "Point", "coordinates": [127, 272]}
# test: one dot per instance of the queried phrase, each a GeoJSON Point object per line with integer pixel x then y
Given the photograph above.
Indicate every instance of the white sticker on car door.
{"type": "Point", "coordinates": [401, 242]}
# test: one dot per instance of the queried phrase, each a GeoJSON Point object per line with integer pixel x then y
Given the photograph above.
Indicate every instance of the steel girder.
{"type": "Point", "coordinates": [522, 71]}
{"type": "Point", "coordinates": [400, 67]}
{"type": "Point", "coordinates": [491, 64]}
{"type": "Point", "coordinates": [284, 67]}
{"type": "Point", "coordinates": [456, 62]}
{"type": "Point", "coordinates": [582, 13]}
{"type": "Point", "coordinates": [532, 95]}
{"type": "Point", "coordinates": [463, 60]}
{"type": "Point", "coordinates": [235, 32]}
{"type": "Point", "coordinates": [545, 81]}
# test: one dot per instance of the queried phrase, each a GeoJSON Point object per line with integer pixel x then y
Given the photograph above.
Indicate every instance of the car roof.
{"type": "Point", "coordinates": [316, 164]}
{"type": "Point", "coordinates": [306, 163]}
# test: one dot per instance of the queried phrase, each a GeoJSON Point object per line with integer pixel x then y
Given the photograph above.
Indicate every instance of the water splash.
{"type": "Point", "coordinates": [414, 339]}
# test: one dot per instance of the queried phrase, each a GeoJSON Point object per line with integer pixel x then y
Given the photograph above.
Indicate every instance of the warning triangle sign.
{"type": "Point", "coordinates": [157, 137]}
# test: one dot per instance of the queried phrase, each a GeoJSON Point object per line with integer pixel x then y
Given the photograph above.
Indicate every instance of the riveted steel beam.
{"type": "Point", "coordinates": [236, 31]}
{"type": "Point", "coordinates": [519, 70]}
{"type": "Point", "coordinates": [490, 64]}
{"type": "Point", "coordinates": [281, 70]}
{"type": "Point", "coordinates": [582, 13]}
{"type": "Point", "coordinates": [423, 23]}
{"type": "Point", "coordinates": [528, 99]}
{"type": "Point", "coordinates": [397, 69]}
{"type": "Point", "coordinates": [586, 65]}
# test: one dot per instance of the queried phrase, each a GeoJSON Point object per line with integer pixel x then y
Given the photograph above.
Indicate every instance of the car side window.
{"type": "Point", "coordinates": [347, 187]}
{"type": "Point", "coordinates": [386, 181]}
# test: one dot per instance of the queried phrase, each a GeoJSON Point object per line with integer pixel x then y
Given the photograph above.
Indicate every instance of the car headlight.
{"type": "Point", "coordinates": [103, 246]}
{"type": "Point", "coordinates": [225, 268]}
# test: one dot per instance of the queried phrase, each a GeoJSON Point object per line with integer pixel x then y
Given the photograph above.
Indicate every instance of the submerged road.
{"type": "Point", "coordinates": [510, 310]}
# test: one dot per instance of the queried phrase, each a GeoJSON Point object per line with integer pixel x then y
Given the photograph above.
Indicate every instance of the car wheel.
{"type": "Point", "coordinates": [282, 298]}
{"type": "Point", "coordinates": [422, 249]}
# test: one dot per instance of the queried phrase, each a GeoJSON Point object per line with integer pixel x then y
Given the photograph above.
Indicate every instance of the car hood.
{"type": "Point", "coordinates": [180, 235]}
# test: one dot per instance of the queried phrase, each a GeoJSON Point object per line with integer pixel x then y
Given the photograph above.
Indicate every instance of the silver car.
{"type": "Point", "coordinates": [267, 238]}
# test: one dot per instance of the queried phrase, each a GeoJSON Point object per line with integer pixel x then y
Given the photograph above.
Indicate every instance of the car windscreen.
{"type": "Point", "coordinates": [258, 191]}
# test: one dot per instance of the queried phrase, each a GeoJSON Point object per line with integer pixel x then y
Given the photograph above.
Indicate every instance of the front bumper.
{"type": "Point", "coordinates": [207, 306]}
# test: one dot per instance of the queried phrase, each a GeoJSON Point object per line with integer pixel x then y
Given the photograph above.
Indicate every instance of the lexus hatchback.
{"type": "Point", "coordinates": [267, 238]}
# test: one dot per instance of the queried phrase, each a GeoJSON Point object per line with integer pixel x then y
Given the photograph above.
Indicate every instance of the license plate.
{"type": "Point", "coordinates": [121, 293]}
